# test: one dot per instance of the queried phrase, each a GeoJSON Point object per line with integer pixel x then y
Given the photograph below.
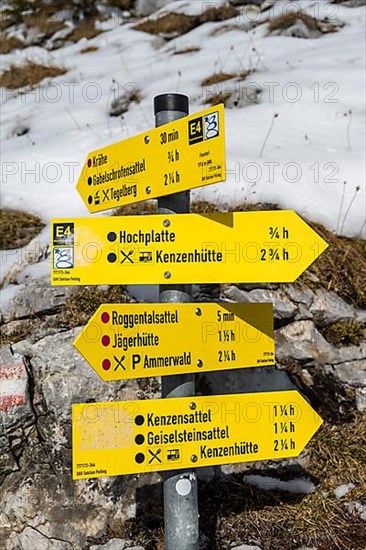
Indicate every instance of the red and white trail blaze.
{"type": "Point", "coordinates": [13, 381]}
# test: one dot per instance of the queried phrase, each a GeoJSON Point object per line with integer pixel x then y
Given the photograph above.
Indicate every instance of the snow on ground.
{"type": "Point", "coordinates": [342, 490]}
{"type": "Point", "coordinates": [313, 160]}
{"type": "Point", "coordinates": [297, 486]}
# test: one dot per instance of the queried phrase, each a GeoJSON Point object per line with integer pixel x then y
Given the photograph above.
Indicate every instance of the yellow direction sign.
{"type": "Point", "coordinates": [237, 247]}
{"type": "Point", "coordinates": [181, 155]}
{"type": "Point", "coordinates": [123, 341]}
{"type": "Point", "coordinates": [131, 437]}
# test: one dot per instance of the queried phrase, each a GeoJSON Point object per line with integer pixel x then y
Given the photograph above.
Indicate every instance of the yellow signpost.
{"type": "Point", "coordinates": [186, 153]}
{"type": "Point", "coordinates": [268, 246]}
{"type": "Point", "coordinates": [124, 341]}
{"type": "Point", "coordinates": [132, 437]}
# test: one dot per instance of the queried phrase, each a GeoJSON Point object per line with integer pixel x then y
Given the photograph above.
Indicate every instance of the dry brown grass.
{"type": "Point", "coordinates": [17, 228]}
{"type": "Point", "coordinates": [344, 333]}
{"type": "Point", "coordinates": [287, 20]}
{"type": "Point", "coordinates": [19, 333]}
{"type": "Point", "coordinates": [122, 4]}
{"type": "Point", "coordinates": [186, 50]}
{"type": "Point", "coordinates": [83, 303]}
{"type": "Point", "coordinates": [341, 268]}
{"type": "Point", "coordinates": [179, 23]}
{"type": "Point", "coordinates": [216, 99]}
{"type": "Point", "coordinates": [171, 23]}
{"type": "Point", "coordinates": [5, 22]}
{"type": "Point", "coordinates": [10, 43]}
{"type": "Point", "coordinates": [28, 75]}
{"type": "Point", "coordinates": [137, 209]}
{"type": "Point", "coordinates": [89, 49]}
{"type": "Point", "coordinates": [216, 78]}
{"type": "Point", "coordinates": [42, 22]}
{"type": "Point", "coordinates": [85, 29]}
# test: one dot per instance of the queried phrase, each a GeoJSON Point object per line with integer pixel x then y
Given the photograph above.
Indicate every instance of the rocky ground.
{"type": "Point", "coordinates": [320, 349]}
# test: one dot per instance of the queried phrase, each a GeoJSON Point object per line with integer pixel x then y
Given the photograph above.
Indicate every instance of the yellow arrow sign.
{"type": "Point", "coordinates": [238, 247]}
{"type": "Point", "coordinates": [123, 341]}
{"type": "Point", "coordinates": [181, 155]}
{"type": "Point", "coordinates": [145, 436]}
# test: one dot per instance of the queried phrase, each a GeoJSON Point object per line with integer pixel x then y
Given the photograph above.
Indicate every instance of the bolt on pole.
{"type": "Point", "coordinates": [180, 487]}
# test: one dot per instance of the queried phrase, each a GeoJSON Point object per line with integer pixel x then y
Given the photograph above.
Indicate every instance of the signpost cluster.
{"type": "Point", "coordinates": [176, 338]}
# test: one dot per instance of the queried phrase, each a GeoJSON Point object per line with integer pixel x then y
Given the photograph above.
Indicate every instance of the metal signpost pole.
{"type": "Point", "coordinates": [180, 487]}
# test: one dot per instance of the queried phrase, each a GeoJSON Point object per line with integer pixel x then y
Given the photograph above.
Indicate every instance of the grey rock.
{"type": "Point", "coordinates": [32, 538]}
{"type": "Point", "coordinates": [283, 306]}
{"type": "Point", "coordinates": [299, 295]}
{"type": "Point", "coordinates": [302, 341]}
{"type": "Point", "coordinates": [245, 547]}
{"type": "Point", "coordinates": [352, 373]}
{"type": "Point", "coordinates": [35, 298]}
{"type": "Point", "coordinates": [328, 308]}
{"type": "Point", "coordinates": [113, 544]}
{"type": "Point", "coordinates": [40, 490]}
{"type": "Point", "coordinates": [361, 399]}
{"type": "Point", "coordinates": [353, 353]}
{"type": "Point", "coordinates": [15, 409]}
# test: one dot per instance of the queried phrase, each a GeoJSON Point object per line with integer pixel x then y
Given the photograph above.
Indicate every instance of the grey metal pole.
{"type": "Point", "coordinates": [180, 486]}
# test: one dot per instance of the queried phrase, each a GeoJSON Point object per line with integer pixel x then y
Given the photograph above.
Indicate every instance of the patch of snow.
{"type": "Point", "coordinates": [358, 508]}
{"type": "Point", "coordinates": [296, 486]}
{"type": "Point", "coordinates": [245, 547]}
{"type": "Point", "coordinates": [342, 490]}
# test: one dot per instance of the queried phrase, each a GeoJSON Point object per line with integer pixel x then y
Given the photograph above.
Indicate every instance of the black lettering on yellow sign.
{"type": "Point", "coordinates": [243, 448]}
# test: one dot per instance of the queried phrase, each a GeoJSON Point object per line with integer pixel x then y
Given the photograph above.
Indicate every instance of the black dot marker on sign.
{"type": "Point", "coordinates": [111, 257]}
{"type": "Point", "coordinates": [112, 236]}
{"type": "Point", "coordinates": [139, 458]}
{"type": "Point", "coordinates": [139, 420]}
{"type": "Point", "coordinates": [139, 439]}
{"type": "Point", "coordinates": [90, 199]}
{"type": "Point", "coordinates": [90, 181]}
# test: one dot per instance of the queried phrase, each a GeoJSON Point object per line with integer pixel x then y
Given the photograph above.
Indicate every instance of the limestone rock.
{"type": "Point", "coordinates": [113, 544]}
{"type": "Point", "coordinates": [38, 490]}
{"type": "Point", "coordinates": [245, 547]}
{"type": "Point", "coordinates": [302, 341]}
{"type": "Point", "coordinates": [328, 308]}
{"type": "Point", "coordinates": [282, 305]}
{"type": "Point", "coordinates": [352, 373]}
{"type": "Point", "coordinates": [35, 298]}
{"type": "Point", "coordinates": [32, 538]}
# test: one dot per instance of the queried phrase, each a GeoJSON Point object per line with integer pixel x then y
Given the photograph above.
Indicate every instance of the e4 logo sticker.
{"type": "Point", "coordinates": [203, 127]}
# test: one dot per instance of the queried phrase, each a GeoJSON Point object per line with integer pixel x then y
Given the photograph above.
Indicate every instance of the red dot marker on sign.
{"type": "Point", "coordinates": [106, 364]}
{"type": "Point", "coordinates": [105, 317]}
{"type": "Point", "coordinates": [106, 340]}
{"type": "Point", "coordinates": [89, 163]}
